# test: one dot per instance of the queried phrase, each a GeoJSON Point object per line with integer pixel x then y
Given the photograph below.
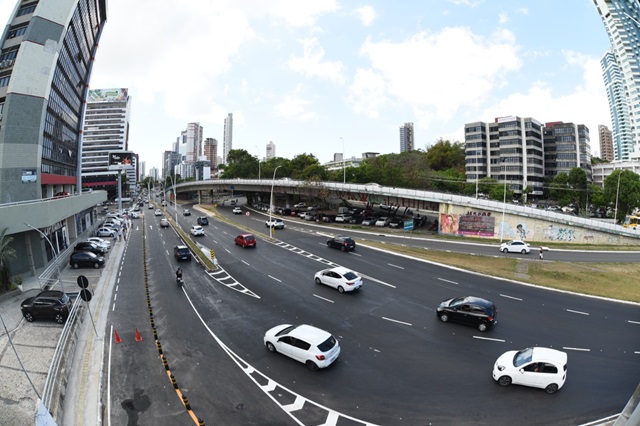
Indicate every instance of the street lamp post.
{"type": "Point", "coordinates": [504, 202]}
{"type": "Point", "coordinates": [258, 157]}
{"type": "Point", "coordinates": [273, 181]}
{"type": "Point", "coordinates": [615, 213]}
{"type": "Point", "coordinates": [55, 252]}
{"type": "Point", "coordinates": [175, 198]}
{"type": "Point", "coordinates": [476, 178]}
{"type": "Point", "coordinates": [344, 170]}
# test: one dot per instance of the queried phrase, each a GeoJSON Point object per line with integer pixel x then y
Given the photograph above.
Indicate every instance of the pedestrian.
{"type": "Point", "coordinates": [120, 233]}
{"type": "Point", "coordinates": [115, 237]}
{"type": "Point", "coordinates": [541, 254]}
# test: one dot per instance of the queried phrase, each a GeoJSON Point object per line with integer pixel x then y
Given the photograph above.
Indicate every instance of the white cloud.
{"type": "Point", "coordinates": [503, 18]}
{"type": "Point", "coordinates": [293, 107]}
{"type": "Point", "coordinates": [367, 92]}
{"type": "Point", "coordinates": [311, 63]}
{"type": "Point", "coordinates": [366, 14]}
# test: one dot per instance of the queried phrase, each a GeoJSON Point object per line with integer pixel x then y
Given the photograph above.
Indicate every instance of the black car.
{"type": "Point", "coordinates": [396, 222]}
{"type": "Point", "coordinates": [89, 246]}
{"type": "Point", "coordinates": [203, 220]}
{"type": "Point", "coordinates": [342, 242]}
{"type": "Point", "coordinates": [85, 259]}
{"type": "Point", "coordinates": [480, 313]}
{"type": "Point", "coordinates": [182, 253]}
{"type": "Point", "coordinates": [52, 304]}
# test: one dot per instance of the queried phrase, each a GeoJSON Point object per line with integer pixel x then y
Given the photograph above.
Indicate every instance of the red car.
{"type": "Point", "coordinates": [245, 240]}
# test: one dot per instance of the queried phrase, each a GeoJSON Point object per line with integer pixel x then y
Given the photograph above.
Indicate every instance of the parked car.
{"type": "Point", "coordinates": [300, 206]}
{"type": "Point", "coordinates": [164, 223]}
{"type": "Point", "coordinates": [339, 278]}
{"type": "Point", "coordinates": [274, 223]}
{"type": "Point", "coordinates": [396, 222]}
{"type": "Point", "coordinates": [203, 220]}
{"type": "Point", "coordinates": [134, 215]}
{"type": "Point", "coordinates": [329, 218]}
{"type": "Point", "coordinates": [474, 311]}
{"type": "Point", "coordinates": [197, 230]}
{"type": "Point", "coordinates": [355, 219]}
{"type": "Point", "coordinates": [237, 210]}
{"type": "Point", "coordinates": [158, 212]}
{"type": "Point", "coordinates": [312, 346]}
{"type": "Point", "coordinates": [53, 304]}
{"type": "Point", "coordinates": [106, 232]}
{"type": "Point", "coordinates": [311, 216]}
{"type": "Point", "coordinates": [112, 224]}
{"type": "Point", "coordinates": [89, 246]}
{"type": "Point", "coordinates": [182, 253]}
{"type": "Point", "coordinates": [342, 242]}
{"type": "Point", "coordinates": [515, 246]}
{"type": "Point", "coordinates": [543, 368]}
{"type": "Point", "coordinates": [245, 240]}
{"type": "Point", "coordinates": [382, 221]}
{"type": "Point", "coordinates": [86, 259]}
{"type": "Point", "coordinates": [343, 218]}
{"type": "Point", "coordinates": [100, 242]}
{"type": "Point", "coordinates": [186, 212]}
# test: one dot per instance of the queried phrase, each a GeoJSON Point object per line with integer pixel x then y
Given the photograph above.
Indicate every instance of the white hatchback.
{"type": "Point", "coordinates": [307, 344]}
{"type": "Point", "coordinates": [341, 278]}
{"type": "Point", "coordinates": [536, 367]}
{"type": "Point", "coordinates": [197, 230]}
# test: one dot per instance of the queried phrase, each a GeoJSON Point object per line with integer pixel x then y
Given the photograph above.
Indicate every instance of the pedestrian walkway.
{"type": "Point", "coordinates": [27, 349]}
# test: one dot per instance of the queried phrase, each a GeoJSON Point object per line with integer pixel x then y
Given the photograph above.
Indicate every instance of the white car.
{"type": "Point", "coordinates": [237, 210]}
{"type": "Point", "coordinates": [536, 367]}
{"type": "Point", "coordinates": [515, 246]}
{"type": "Point", "coordinates": [197, 230]}
{"type": "Point", "coordinates": [158, 212]}
{"type": "Point", "coordinates": [106, 232]}
{"type": "Point", "coordinates": [341, 278]}
{"type": "Point", "coordinates": [382, 221]}
{"type": "Point", "coordinates": [134, 215]}
{"type": "Point", "coordinates": [100, 242]}
{"type": "Point", "coordinates": [274, 223]}
{"type": "Point", "coordinates": [164, 223]}
{"type": "Point", "coordinates": [343, 218]}
{"type": "Point", "coordinates": [309, 345]}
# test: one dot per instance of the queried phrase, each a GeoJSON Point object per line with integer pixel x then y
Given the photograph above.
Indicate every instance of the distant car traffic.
{"type": "Point", "coordinates": [182, 253]}
{"type": "Point", "coordinates": [543, 368]}
{"type": "Point", "coordinates": [86, 259]}
{"type": "Point", "coordinates": [312, 346]}
{"type": "Point", "coordinates": [245, 240]}
{"type": "Point", "coordinates": [158, 212]}
{"type": "Point", "coordinates": [274, 223]}
{"type": "Point", "coordinates": [515, 246]}
{"type": "Point", "coordinates": [164, 223]}
{"type": "Point", "coordinates": [197, 230]}
{"type": "Point", "coordinates": [186, 212]}
{"type": "Point", "coordinates": [339, 278]}
{"type": "Point", "coordinates": [237, 210]}
{"type": "Point", "coordinates": [106, 232]}
{"type": "Point", "coordinates": [203, 220]}
{"type": "Point", "coordinates": [134, 215]}
{"type": "Point", "coordinates": [474, 311]}
{"type": "Point", "coordinates": [342, 242]}
{"type": "Point", "coordinates": [48, 304]}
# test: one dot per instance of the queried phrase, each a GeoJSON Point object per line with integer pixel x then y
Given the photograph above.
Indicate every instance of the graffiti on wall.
{"type": "Point", "coordinates": [556, 233]}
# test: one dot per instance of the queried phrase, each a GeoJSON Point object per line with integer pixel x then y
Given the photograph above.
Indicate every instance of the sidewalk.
{"type": "Point", "coordinates": [35, 344]}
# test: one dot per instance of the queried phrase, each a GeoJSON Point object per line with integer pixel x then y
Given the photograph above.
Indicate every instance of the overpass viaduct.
{"type": "Point", "coordinates": [457, 215]}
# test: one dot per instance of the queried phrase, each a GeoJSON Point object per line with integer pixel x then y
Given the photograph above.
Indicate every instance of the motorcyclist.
{"type": "Point", "coordinates": [178, 274]}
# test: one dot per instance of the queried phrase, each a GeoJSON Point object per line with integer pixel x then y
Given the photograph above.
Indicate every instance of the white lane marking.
{"type": "Point", "coordinates": [637, 352]}
{"type": "Point", "coordinates": [576, 349]}
{"type": "Point", "coordinates": [274, 278]}
{"type": "Point", "coordinates": [323, 298]}
{"type": "Point", "coordinates": [489, 338]}
{"type": "Point", "coordinates": [447, 281]}
{"type": "Point", "coordinates": [633, 322]}
{"type": "Point", "coordinates": [395, 266]}
{"type": "Point", "coordinates": [577, 312]}
{"type": "Point", "coordinates": [511, 297]}
{"type": "Point", "coordinates": [245, 263]}
{"type": "Point", "coordinates": [227, 250]}
{"type": "Point", "coordinates": [399, 322]}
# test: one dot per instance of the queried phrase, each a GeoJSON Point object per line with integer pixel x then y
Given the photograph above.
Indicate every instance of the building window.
{"type": "Point", "coordinates": [17, 31]}
{"type": "Point", "coordinates": [26, 9]}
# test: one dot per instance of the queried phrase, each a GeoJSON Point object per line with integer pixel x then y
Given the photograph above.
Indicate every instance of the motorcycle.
{"type": "Point", "coordinates": [179, 281]}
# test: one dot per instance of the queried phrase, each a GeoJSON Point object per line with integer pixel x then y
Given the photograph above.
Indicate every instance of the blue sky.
{"type": "Point", "coordinates": [314, 76]}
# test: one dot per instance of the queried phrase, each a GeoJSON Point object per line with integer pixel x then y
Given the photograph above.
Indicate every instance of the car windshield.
{"type": "Point", "coordinates": [456, 301]}
{"type": "Point", "coordinates": [523, 357]}
{"type": "Point", "coordinates": [286, 330]}
{"type": "Point", "coordinates": [65, 299]}
{"type": "Point", "coordinates": [327, 344]}
{"type": "Point", "coordinates": [350, 276]}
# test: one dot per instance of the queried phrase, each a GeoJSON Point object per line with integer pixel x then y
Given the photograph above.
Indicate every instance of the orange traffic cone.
{"type": "Point", "coordinates": [118, 339]}
{"type": "Point", "coordinates": [138, 336]}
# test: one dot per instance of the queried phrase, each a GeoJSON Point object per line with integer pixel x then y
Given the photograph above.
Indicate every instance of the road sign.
{"type": "Point", "coordinates": [85, 295]}
{"type": "Point", "coordinates": [248, 213]}
{"type": "Point", "coordinates": [212, 253]}
{"type": "Point", "coordinates": [83, 282]}
{"type": "Point", "coordinates": [408, 225]}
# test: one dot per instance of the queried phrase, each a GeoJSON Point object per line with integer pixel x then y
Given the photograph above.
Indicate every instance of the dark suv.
{"type": "Point", "coordinates": [89, 246]}
{"type": "Point", "coordinates": [203, 221]}
{"type": "Point", "coordinates": [342, 242]}
{"type": "Point", "coordinates": [182, 253]}
{"type": "Point", "coordinates": [52, 304]}
{"type": "Point", "coordinates": [469, 310]}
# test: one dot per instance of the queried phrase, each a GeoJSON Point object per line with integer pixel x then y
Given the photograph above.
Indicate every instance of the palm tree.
{"type": "Point", "coordinates": [7, 254]}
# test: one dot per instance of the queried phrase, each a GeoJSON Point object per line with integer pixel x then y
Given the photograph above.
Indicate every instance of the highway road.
{"type": "Point", "coordinates": [399, 364]}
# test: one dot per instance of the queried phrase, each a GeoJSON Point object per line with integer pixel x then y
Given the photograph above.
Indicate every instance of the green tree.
{"type": "Point", "coordinates": [446, 155]}
{"type": "Point", "coordinates": [622, 190]}
{"type": "Point", "coordinates": [7, 255]}
{"type": "Point", "coordinates": [240, 164]}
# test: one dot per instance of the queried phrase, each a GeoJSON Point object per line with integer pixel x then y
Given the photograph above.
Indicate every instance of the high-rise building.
{"type": "Point", "coordinates": [46, 58]}
{"type": "Point", "coordinates": [621, 19]}
{"type": "Point", "coordinates": [154, 173]}
{"type": "Point", "coordinates": [406, 137]}
{"type": "Point", "coordinates": [170, 159]}
{"type": "Point", "coordinates": [271, 150]}
{"type": "Point", "coordinates": [606, 143]}
{"type": "Point", "coordinates": [227, 140]}
{"type": "Point", "coordinates": [193, 140]}
{"type": "Point", "coordinates": [143, 170]}
{"type": "Point", "coordinates": [566, 146]}
{"type": "Point", "coordinates": [106, 129]}
{"type": "Point", "coordinates": [211, 152]}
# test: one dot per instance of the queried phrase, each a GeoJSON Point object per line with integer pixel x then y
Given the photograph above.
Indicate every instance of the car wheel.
{"type": "Point", "coordinates": [96, 265]}
{"type": "Point", "coordinates": [76, 266]}
{"type": "Point", "coordinates": [482, 326]}
{"type": "Point", "coordinates": [552, 388]}
{"type": "Point", "coordinates": [444, 317]}
{"type": "Point", "coordinates": [270, 347]}
{"type": "Point", "coordinates": [28, 316]}
{"type": "Point", "coordinates": [328, 244]}
{"type": "Point", "coordinates": [340, 289]}
{"type": "Point", "coordinates": [318, 281]}
{"type": "Point", "coordinates": [505, 250]}
{"type": "Point", "coordinates": [523, 251]}
{"type": "Point", "coordinates": [312, 365]}
{"type": "Point", "coordinates": [504, 381]}
{"type": "Point", "coordinates": [59, 318]}
{"type": "Point", "coordinates": [342, 248]}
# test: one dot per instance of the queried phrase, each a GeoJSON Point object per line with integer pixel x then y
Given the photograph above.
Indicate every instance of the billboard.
{"type": "Point", "coordinates": [108, 95]}
{"type": "Point", "coordinates": [120, 160]}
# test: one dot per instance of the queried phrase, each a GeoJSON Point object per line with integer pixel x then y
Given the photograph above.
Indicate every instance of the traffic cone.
{"type": "Point", "coordinates": [118, 339]}
{"type": "Point", "coordinates": [138, 336]}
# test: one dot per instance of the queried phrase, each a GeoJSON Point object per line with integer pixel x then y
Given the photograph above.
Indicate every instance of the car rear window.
{"type": "Point", "coordinates": [249, 238]}
{"type": "Point", "coordinates": [328, 344]}
{"type": "Point", "coordinates": [183, 251]}
{"type": "Point", "coordinates": [350, 276]}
